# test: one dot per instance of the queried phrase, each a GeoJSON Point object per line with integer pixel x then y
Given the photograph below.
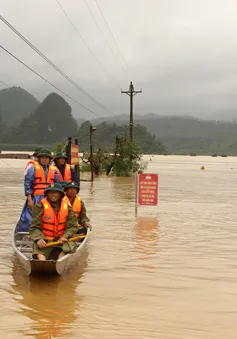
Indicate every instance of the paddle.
{"type": "Point", "coordinates": [55, 243]}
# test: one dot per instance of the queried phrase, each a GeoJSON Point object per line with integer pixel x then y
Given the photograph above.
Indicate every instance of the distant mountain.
{"type": "Point", "coordinates": [105, 135]}
{"type": "Point", "coordinates": [228, 116]}
{"type": "Point", "coordinates": [187, 134]}
{"type": "Point", "coordinates": [51, 122]}
{"type": "Point", "coordinates": [16, 105]}
{"type": "Point", "coordinates": [80, 122]}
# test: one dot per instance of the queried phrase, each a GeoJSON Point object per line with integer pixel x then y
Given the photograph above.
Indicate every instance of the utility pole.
{"type": "Point", "coordinates": [131, 92]}
{"type": "Point", "coordinates": [92, 129]}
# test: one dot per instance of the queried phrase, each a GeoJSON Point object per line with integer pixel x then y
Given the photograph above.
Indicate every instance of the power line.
{"type": "Point", "coordinates": [50, 83]}
{"type": "Point", "coordinates": [112, 34]}
{"type": "Point", "coordinates": [84, 41]}
{"type": "Point", "coordinates": [103, 35]}
{"type": "Point", "coordinates": [4, 84]}
{"type": "Point", "coordinates": [52, 64]}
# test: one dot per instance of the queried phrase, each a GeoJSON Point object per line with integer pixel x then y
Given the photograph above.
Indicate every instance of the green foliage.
{"type": "Point", "coordinates": [123, 160]}
{"type": "Point", "coordinates": [105, 134]}
{"type": "Point", "coordinates": [183, 135]}
{"type": "Point", "coordinates": [58, 147]}
{"type": "Point", "coordinates": [16, 104]}
{"type": "Point", "coordinates": [24, 121]}
{"type": "Point", "coordinates": [85, 167]}
{"type": "Point", "coordinates": [129, 158]}
{"type": "Point", "coordinates": [21, 147]}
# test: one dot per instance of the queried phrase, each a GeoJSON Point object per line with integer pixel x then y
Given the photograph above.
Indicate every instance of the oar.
{"type": "Point", "coordinates": [54, 243]}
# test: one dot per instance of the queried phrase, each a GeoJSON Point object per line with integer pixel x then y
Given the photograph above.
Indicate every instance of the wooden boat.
{"type": "Point", "coordinates": [22, 245]}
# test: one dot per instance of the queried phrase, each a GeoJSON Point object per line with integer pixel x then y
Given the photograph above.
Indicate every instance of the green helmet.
{"type": "Point", "coordinates": [55, 188]}
{"type": "Point", "coordinates": [72, 185]}
{"type": "Point", "coordinates": [60, 156]}
{"type": "Point", "coordinates": [44, 152]}
{"type": "Point", "coordinates": [63, 183]}
{"type": "Point", "coordinates": [36, 152]}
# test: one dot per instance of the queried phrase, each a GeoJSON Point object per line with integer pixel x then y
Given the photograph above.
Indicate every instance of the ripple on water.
{"type": "Point", "coordinates": [170, 273]}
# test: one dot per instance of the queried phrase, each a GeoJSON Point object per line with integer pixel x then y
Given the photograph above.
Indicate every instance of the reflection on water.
{"type": "Point", "coordinates": [51, 303]}
{"type": "Point", "coordinates": [169, 273]}
{"type": "Point", "coordinates": [147, 236]}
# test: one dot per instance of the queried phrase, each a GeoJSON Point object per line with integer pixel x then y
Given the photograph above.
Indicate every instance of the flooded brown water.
{"type": "Point", "coordinates": [170, 273]}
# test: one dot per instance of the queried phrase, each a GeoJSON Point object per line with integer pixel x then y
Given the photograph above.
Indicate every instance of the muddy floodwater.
{"type": "Point", "coordinates": [169, 273]}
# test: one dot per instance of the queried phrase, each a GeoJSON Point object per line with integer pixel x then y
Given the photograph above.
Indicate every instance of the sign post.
{"type": "Point", "coordinates": [74, 154]}
{"type": "Point", "coordinates": [147, 185]}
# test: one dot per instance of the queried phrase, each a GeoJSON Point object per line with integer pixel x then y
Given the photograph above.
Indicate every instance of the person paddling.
{"type": "Point", "coordinates": [52, 220]}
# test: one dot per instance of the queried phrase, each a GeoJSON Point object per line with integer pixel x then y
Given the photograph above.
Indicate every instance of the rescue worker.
{"type": "Point", "coordinates": [36, 152]}
{"type": "Point", "coordinates": [65, 171]}
{"type": "Point", "coordinates": [33, 159]}
{"type": "Point", "coordinates": [71, 190]}
{"type": "Point", "coordinates": [52, 220]}
{"type": "Point", "coordinates": [37, 178]}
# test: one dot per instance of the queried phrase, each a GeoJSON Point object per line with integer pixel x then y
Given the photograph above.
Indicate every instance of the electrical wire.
{"type": "Point", "coordinates": [52, 64]}
{"type": "Point", "coordinates": [50, 83]}
{"type": "Point", "coordinates": [4, 84]}
{"type": "Point", "coordinates": [112, 34]}
{"type": "Point", "coordinates": [85, 43]}
{"type": "Point", "coordinates": [104, 36]}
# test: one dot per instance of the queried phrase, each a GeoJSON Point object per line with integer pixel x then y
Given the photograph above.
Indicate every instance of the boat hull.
{"type": "Point", "coordinates": [22, 246]}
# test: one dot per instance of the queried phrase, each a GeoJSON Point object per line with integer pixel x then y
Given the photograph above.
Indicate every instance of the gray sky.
{"type": "Point", "coordinates": [182, 53]}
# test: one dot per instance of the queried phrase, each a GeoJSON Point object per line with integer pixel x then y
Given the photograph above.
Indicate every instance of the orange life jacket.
{"type": "Point", "coordinates": [33, 162]}
{"type": "Point", "coordinates": [67, 173]}
{"type": "Point", "coordinates": [40, 181]}
{"type": "Point", "coordinates": [53, 225]}
{"type": "Point", "coordinates": [76, 206]}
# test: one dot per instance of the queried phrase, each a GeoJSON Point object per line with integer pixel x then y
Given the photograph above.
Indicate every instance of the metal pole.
{"type": "Point", "coordinates": [136, 194]}
{"type": "Point", "coordinates": [91, 155]}
{"type": "Point", "coordinates": [77, 167]}
{"type": "Point", "coordinates": [131, 114]}
{"type": "Point", "coordinates": [68, 150]}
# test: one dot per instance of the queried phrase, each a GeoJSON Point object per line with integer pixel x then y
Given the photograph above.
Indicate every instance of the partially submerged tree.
{"type": "Point", "coordinates": [128, 158]}
{"type": "Point", "coordinates": [125, 159]}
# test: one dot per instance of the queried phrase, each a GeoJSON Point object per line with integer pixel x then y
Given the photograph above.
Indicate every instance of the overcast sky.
{"type": "Point", "coordinates": [182, 53]}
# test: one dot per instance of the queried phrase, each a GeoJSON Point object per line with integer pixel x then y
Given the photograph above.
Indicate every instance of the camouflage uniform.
{"type": "Point", "coordinates": [36, 233]}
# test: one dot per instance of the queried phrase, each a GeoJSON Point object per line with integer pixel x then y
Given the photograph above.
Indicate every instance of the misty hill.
{"type": "Point", "coordinates": [187, 134]}
{"type": "Point", "coordinates": [49, 123]}
{"type": "Point", "coordinates": [16, 105]}
{"type": "Point", "coordinates": [105, 134]}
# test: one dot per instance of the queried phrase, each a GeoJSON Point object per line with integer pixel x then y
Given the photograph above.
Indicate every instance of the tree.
{"type": "Point", "coordinates": [125, 159]}
{"type": "Point", "coordinates": [128, 159]}
{"type": "Point", "coordinates": [106, 133]}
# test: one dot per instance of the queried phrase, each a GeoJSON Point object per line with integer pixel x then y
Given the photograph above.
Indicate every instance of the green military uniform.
{"type": "Point", "coordinates": [36, 233]}
{"type": "Point", "coordinates": [82, 219]}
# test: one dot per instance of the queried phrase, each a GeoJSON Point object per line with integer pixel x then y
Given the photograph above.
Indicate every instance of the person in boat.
{"type": "Point", "coordinates": [53, 220]}
{"type": "Point", "coordinates": [37, 178]}
{"type": "Point", "coordinates": [65, 171]}
{"type": "Point", "coordinates": [33, 159]}
{"type": "Point", "coordinates": [71, 196]}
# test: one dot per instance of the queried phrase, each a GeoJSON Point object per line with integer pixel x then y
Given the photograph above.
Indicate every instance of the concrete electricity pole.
{"type": "Point", "coordinates": [131, 92]}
